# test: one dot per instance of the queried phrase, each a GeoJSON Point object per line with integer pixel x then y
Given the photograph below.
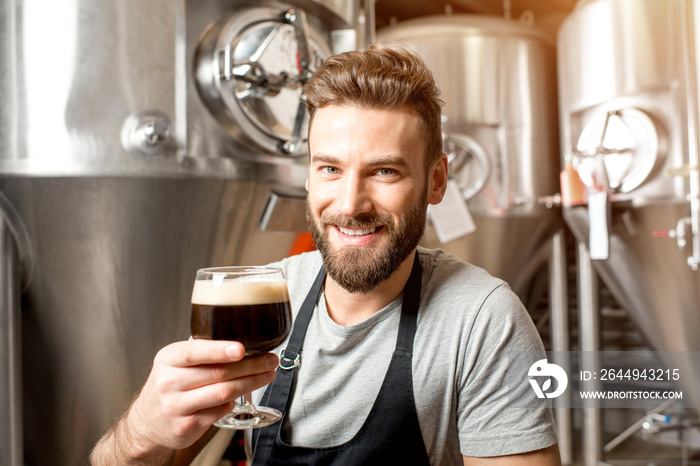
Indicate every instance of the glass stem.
{"type": "Point", "coordinates": [244, 408]}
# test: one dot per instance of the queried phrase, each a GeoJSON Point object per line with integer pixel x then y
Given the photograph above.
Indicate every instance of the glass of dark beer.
{"type": "Point", "coordinates": [245, 304]}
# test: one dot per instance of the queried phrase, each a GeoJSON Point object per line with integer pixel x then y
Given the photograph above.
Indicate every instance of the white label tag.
{"type": "Point", "coordinates": [451, 218]}
{"type": "Point", "coordinates": [599, 234]}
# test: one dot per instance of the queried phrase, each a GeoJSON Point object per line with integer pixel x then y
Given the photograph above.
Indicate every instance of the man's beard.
{"type": "Point", "coordinates": [359, 269]}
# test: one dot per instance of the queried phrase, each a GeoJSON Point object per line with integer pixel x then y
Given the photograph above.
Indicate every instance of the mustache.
{"type": "Point", "coordinates": [361, 221]}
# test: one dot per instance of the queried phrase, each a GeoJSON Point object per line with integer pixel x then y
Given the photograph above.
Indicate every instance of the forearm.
{"type": "Point", "coordinates": [121, 446]}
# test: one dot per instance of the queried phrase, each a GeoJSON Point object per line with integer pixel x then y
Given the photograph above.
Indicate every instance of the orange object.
{"type": "Point", "coordinates": [303, 243]}
{"type": "Point", "coordinates": [573, 191]}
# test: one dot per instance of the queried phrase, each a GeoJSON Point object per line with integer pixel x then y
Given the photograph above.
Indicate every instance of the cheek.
{"type": "Point", "coordinates": [397, 208]}
{"type": "Point", "coordinates": [401, 209]}
{"type": "Point", "coordinates": [316, 204]}
{"type": "Point", "coordinates": [321, 195]}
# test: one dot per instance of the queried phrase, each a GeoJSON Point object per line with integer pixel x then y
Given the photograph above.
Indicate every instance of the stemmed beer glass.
{"type": "Point", "coordinates": [245, 304]}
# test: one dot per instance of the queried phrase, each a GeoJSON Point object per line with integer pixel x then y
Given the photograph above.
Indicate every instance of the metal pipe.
{"type": "Point", "coordinates": [559, 311]}
{"type": "Point", "coordinates": [11, 453]}
{"type": "Point", "coordinates": [589, 341]}
{"type": "Point", "coordinates": [365, 15]}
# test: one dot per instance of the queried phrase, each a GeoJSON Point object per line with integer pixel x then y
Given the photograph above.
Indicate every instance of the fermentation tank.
{"type": "Point", "coordinates": [498, 82]}
{"type": "Point", "coordinates": [628, 83]}
{"type": "Point", "coordinates": [139, 141]}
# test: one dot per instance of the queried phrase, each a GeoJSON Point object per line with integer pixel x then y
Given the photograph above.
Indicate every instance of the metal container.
{"type": "Point", "coordinates": [127, 180]}
{"type": "Point", "coordinates": [498, 82]}
{"type": "Point", "coordinates": [628, 83]}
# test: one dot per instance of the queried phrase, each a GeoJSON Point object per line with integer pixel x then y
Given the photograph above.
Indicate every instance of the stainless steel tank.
{"type": "Point", "coordinates": [139, 141]}
{"type": "Point", "coordinates": [628, 83]}
{"type": "Point", "coordinates": [498, 82]}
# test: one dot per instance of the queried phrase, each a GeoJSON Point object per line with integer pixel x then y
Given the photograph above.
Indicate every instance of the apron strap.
{"type": "Point", "coordinates": [290, 357]}
{"type": "Point", "coordinates": [277, 394]}
{"type": "Point", "coordinates": [409, 308]}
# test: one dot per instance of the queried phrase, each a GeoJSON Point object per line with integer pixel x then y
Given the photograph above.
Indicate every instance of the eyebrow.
{"type": "Point", "coordinates": [321, 158]}
{"type": "Point", "coordinates": [392, 160]}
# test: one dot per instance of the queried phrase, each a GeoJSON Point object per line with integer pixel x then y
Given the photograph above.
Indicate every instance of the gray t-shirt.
{"type": "Point", "coordinates": [467, 320]}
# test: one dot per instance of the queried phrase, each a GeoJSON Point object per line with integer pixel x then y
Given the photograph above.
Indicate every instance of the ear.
{"type": "Point", "coordinates": [438, 180]}
{"type": "Point", "coordinates": [306, 184]}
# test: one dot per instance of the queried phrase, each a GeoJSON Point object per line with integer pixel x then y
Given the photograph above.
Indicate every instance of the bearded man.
{"type": "Point", "coordinates": [402, 346]}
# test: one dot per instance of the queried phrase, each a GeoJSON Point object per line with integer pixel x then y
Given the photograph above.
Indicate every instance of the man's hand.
{"type": "Point", "coordinates": [192, 384]}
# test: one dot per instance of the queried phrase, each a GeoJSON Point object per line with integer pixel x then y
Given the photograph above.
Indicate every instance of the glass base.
{"type": "Point", "coordinates": [249, 417]}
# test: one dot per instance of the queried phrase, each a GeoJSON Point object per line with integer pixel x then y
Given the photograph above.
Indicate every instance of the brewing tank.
{"type": "Point", "coordinates": [498, 83]}
{"type": "Point", "coordinates": [139, 142]}
{"type": "Point", "coordinates": [628, 83]}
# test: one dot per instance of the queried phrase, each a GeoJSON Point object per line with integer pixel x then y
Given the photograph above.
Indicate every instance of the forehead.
{"type": "Point", "coordinates": [360, 132]}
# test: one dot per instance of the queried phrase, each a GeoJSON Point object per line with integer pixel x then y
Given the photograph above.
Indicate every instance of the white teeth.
{"type": "Point", "coordinates": [349, 232]}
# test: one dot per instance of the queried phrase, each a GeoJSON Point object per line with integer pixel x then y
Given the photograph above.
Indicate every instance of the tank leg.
{"type": "Point", "coordinates": [561, 345]}
{"type": "Point", "coordinates": [10, 350]}
{"type": "Point", "coordinates": [589, 337]}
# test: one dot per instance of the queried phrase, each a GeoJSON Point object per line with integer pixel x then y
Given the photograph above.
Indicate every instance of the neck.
{"type": "Point", "coordinates": [347, 308]}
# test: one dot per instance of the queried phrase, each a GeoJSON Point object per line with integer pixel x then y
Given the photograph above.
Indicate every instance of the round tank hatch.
{"type": "Point", "coordinates": [618, 150]}
{"type": "Point", "coordinates": [468, 163]}
{"type": "Point", "coordinates": [250, 71]}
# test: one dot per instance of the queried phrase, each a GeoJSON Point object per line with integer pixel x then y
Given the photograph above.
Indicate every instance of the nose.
{"type": "Point", "coordinates": [353, 197]}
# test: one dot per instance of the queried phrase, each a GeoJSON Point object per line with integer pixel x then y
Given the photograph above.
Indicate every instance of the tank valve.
{"type": "Point", "coordinates": [679, 233]}
{"type": "Point", "coordinates": [651, 425]}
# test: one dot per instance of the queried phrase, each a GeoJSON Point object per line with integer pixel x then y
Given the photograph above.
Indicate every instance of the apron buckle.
{"type": "Point", "coordinates": [288, 364]}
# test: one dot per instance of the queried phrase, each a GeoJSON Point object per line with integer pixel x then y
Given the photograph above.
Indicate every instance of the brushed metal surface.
{"type": "Point", "coordinates": [77, 71]}
{"type": "Point", "coordinates": [116, 261]}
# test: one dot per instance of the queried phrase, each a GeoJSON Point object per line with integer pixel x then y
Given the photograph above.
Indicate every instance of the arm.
{"type": "Point", "coordinates": [546, 457]}
{"type": "Point", "coordinates": [192, 384]}
{"type": "Point", "coordinates": [499, 415]}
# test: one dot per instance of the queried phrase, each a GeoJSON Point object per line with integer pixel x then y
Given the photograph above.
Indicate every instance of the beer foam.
{"type": "Point", "coordinates": [237, 292]}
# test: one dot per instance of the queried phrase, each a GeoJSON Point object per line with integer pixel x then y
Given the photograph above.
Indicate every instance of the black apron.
{"type": "Point", "coordinates": [389, 435]}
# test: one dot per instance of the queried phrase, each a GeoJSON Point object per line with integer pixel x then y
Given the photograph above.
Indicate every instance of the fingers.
{"type": "Point", "coordinates": [213, 373]}
{"type": "Point", "coordinates": [221, 394]}
{"type": "Point", "coordinates": [199, 352]}
{"type": "Point", "coordinates": [198, 374]}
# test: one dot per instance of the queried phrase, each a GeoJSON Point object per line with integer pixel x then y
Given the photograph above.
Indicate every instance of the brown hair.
{"type": "Point", "coordinates": [380, 77]}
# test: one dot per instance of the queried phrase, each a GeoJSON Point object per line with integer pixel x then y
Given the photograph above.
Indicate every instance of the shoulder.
{"type": "Point", "coordinates": [467, 302]}
{"type": "Point", "coordinates": [447, 277]}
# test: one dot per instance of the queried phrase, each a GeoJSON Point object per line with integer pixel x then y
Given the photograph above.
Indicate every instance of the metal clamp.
{"type": "Point", "coordinates": [295, 363]}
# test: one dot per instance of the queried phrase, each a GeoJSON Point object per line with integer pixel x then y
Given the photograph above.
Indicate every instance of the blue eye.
{"type": "Point", "coordinates": [330, 170]}
{"type": "Point", "coordinates": [385, 171]}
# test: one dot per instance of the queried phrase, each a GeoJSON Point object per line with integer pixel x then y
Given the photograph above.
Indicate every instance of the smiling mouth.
{"type": "Point", "coordinates": [357, 231]}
